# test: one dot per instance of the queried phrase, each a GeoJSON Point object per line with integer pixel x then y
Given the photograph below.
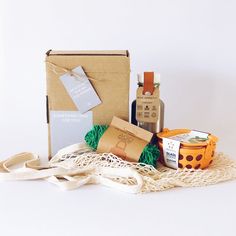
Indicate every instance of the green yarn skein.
{"type": "Point", "coordinates": [149, 155]}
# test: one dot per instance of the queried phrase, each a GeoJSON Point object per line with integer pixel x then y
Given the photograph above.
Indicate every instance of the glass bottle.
{"type": "Point", "coordinates": [152, 127]}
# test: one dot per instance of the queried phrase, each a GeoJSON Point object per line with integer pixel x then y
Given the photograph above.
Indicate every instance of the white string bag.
{"type": "Point", "coordinates": [77, 165]}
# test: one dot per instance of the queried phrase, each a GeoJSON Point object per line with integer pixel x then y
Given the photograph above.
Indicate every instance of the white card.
{"type": "Point", "coordinates": [171, 152]}
{"type": "Point", "coordinates": [68, 127]}
{"type": "Point", "coordinates": [80, 90]}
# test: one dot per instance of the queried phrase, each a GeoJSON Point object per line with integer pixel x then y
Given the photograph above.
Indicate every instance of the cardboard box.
{"type": "Point", "coordinates": [109, 72]}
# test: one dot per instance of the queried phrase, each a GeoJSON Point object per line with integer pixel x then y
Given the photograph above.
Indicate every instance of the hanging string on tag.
{"type": "Point", "coordinates": [59, 70]}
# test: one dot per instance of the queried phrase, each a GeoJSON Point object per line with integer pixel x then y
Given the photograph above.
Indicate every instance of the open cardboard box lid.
{"type": "Point", "coordinates": [89, 53]}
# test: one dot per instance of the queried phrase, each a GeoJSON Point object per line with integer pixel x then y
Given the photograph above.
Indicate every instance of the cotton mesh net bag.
{"type": "Point", "coordinates": [153, 180]}
{"type": "Point", "coordinates": [78, 165]}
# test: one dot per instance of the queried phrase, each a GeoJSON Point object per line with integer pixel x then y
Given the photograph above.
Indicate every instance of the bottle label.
{"type": "Point", "coordinates": [147, 106]}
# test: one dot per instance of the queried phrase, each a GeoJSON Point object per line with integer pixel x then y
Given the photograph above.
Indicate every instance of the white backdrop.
{"type": "Point", "coordinates": [190, 42]}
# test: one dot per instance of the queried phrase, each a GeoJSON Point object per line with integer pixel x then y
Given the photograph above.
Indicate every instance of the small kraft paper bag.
{"type": "Point", "coordinates": [84, 88]}
{"type": "Point", "coordinates": [124, 140]}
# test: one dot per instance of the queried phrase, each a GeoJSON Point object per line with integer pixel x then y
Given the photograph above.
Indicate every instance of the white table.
{"type": "Point", "coordinates": [39, 208]}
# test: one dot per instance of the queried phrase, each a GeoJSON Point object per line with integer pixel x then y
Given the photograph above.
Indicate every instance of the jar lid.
{"type": "Point", "coordinates": [188, 137]}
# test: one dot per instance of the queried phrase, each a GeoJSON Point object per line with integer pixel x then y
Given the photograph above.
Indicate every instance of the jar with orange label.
{"type": "Point", "coordinates": [185, 148]}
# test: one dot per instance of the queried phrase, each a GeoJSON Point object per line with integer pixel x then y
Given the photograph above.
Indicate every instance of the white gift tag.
{"type": "Point", "coordinates": [80, 90]}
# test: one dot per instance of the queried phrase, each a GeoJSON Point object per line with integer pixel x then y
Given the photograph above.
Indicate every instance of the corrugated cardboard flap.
{"type": "Point", "coordinates": [89, 53]}
{"type": "Point", "coordinates": [113, 61]}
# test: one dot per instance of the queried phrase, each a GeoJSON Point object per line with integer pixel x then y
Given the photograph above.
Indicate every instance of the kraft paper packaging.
{"type": "Point", "coordinates": [124, 140]}
{"type": "Point", "coordinates": [110, 74]}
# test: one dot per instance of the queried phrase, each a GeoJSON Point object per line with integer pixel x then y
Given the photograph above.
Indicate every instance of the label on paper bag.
{"type": "Point", "coordinates": [80, 89]}
{"type": "Point", "coordinates": [68, 127]}
{"type": "Point", "coordinates": [124, 140]}
{"type": "Point", "coordinates": [147, 106]}
{"type": "Point", "coordinates": [171, 152]}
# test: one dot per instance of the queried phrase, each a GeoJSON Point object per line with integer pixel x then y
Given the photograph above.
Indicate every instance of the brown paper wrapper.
{"type": "Point", "coordinates": [124, 140]}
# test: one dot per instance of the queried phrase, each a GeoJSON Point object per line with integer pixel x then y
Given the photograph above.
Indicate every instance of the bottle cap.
{"type": "Point", "coordinates": [156, 78]}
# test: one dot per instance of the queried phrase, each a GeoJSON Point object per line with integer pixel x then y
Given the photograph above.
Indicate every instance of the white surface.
{"type": "Point", "coordinates": [39, 208]}
{"type": "Point", "coordinates": [191, 43]}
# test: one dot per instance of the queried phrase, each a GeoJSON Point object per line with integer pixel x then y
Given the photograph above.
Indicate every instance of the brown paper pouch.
{"type": "Point", "coordinates": [124, 140]}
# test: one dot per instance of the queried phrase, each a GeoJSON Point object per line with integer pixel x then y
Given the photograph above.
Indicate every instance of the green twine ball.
{"type": "Point", "coordinates": [149, 155]}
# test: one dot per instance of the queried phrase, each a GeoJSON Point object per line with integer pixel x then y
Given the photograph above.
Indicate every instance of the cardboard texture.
{"type": "Point", "coordinates": [124, 140]}
{"type": "Point", "coordinates": [109, 72]}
